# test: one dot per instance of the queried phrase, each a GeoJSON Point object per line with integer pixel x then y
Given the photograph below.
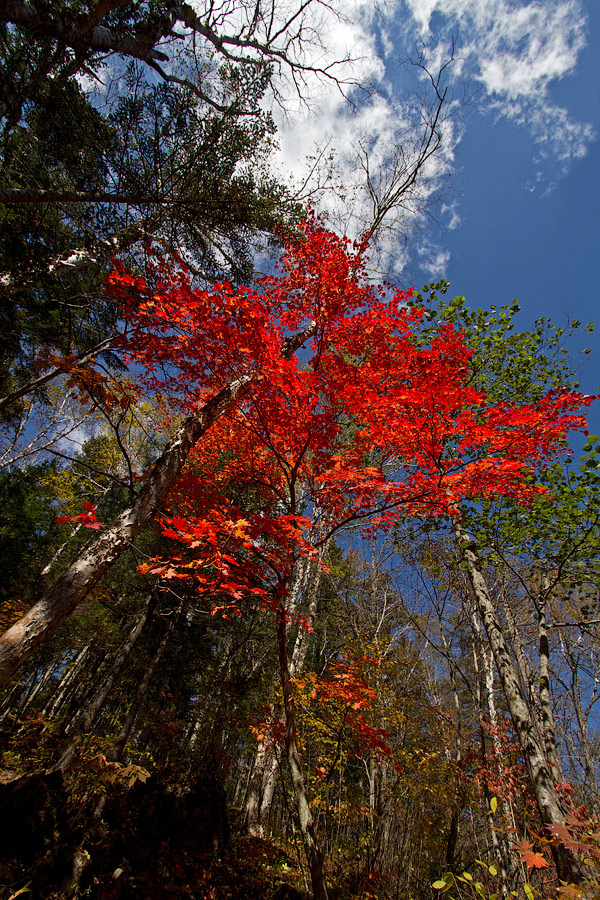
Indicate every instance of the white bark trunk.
{"type": "Point", "coordinates": [29, 633]}
{"type": "Point", "coordinates": [547, 799]}
{"type": "Point", "coordinates": [313, 851]}
{"type": "Point", "coordinates": [74, 260]}
{"type": "Point", "coordinates": [264, 778]}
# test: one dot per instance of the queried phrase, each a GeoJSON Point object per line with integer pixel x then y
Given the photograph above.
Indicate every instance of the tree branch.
{"type": "Point", "coordinates": [74, 260]}
{"type": "Point", "coordinates": [36, 383]}
{"type": "Point", "coordinates": [59, 601]}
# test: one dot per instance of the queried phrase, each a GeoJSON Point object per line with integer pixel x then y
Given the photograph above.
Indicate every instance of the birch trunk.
{"type": "Point", "coordinates": [548, 726]}
{"type": "Point", "coordinates": [528, 679]}
{"type": "Point", "coordinates": [29, 633]}
{"type": "Point", "coordinates": [547, 799]}
{"type": "Point", "coordinates": [500, 849]}
{"type": "Point", "coordinates": [264, 777]}
{"type": "Point", "coordinates": [313, 852]}
{"type": "Point", "coordinates": [74, 260]}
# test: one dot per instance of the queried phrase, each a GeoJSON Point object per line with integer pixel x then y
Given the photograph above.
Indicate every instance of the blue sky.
{"type": "Point", "coordinates": [522, 158]}
{"type": "Point", "coordinates": [540, 246]}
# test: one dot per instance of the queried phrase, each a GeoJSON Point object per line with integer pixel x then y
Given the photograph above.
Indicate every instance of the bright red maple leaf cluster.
{"type": "Point", "coordinates": [367, 424]}
{"type": "Point", "coordinates": [87, 518]}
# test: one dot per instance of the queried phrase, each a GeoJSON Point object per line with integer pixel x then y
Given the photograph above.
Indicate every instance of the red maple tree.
{"type": "Point", "coordinates": [368, 424]}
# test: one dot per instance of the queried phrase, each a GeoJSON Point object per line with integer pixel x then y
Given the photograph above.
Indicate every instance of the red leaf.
{"type": "Point", "coordinates": [527, 855]}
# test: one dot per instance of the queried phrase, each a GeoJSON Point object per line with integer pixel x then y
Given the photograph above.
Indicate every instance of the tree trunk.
{"type": "Point", "coordinates": [547, 799]}
{"type": "Point", "coordinates": [73, 260]}
{"type": "Point", "coordinates": [455, 808]}
{"type": "Point", "coordinates": [264, 777]}
{"type": "Point", "coordinates": [28, 634]}
{"type": "Point", "coordinates": [118, 747]}
{"type": "Point", "coordinates": [313, 852]}
{"type": "Point", "coordinates": [481, 679]}
{"type": "Point", "coordinates": [39, 687]}
{"type": "Point", "coordinates": [253, 799]}
{"type": "Point", "coordinates": [102, 693]}
{"type": "Point", "coordinates": [546, 706]}
{"type": "Point", "coordinates": [64, 692]}
{"type": "Point", "coordinates": [265, 764]}
{"type": "Point", "coordinates": [528, 678]}
{"type": "Point", "coordinates": [581, 743]}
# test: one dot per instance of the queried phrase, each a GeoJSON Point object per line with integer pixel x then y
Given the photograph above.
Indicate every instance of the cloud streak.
{"type": "Point", "coordinates": [514, 51]}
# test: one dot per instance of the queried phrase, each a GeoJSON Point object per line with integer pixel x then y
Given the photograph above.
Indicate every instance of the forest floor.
{"type": "Point", "coordinates": [147, 843]}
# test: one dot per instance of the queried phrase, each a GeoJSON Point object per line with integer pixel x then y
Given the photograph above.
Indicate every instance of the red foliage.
{"type": "Point", "coordinates": [527, 855]}
{"type": "Point", "coordinates": [87, 518]}
{"type": "Point", "coordinates": [497, 769]}
{"type": "Point", "coordinates": [346, 683]}
{"type": "Point", "coordinates": [367, 424]}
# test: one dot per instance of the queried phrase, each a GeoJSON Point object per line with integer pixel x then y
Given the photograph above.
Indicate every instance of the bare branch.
{"type": "Point", "coordinates": [36, 383]}
{"type": "Point", "coordinates": [86, 35]}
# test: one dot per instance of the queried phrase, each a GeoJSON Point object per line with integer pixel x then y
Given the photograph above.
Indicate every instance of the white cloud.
{"type": "Point", "coordinates": [432, 261]}
{"type": "Point", "coordinates": [327, 144]}
{"type": "Point", "coordinates": [370, 151]}
{"type": "Point", "coordinates": [515, 51]}
{"type": "Point", "coordinates": [451, 215]}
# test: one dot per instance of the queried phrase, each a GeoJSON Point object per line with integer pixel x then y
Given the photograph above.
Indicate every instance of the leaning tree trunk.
{"type": "Point", "coordinates": [64, 692]}
{"type": "Point", "coordinates": [547, 799]}
{"type": "Point", "coordinates": [29, 633]}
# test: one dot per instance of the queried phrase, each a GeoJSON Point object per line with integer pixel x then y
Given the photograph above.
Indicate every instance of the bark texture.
{"type": "Point", "coordinates": [548, 802]}
{"type": "Point", "coordinates": [311, 847]}
{"type": "Point", "coordinates": [29, 633]}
